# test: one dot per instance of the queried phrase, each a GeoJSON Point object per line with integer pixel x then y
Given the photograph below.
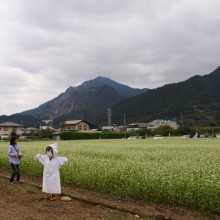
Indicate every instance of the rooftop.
{"type": "Point", "coordinates": [10, 124]}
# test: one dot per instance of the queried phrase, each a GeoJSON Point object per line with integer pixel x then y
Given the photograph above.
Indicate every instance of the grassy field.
{"type": "Point", "coordinates": [179, 172]}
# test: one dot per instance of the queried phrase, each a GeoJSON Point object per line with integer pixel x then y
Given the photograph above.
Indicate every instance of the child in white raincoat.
{"type": "Point", "coordinates": [51, 175]}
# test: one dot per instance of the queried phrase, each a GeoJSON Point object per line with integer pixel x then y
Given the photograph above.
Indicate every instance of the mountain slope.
{"type": "Point", "coordinates": [196, 99]}
{"type": "Point", "coordinates": [26, 120]}
{"type": "Point", "coordinates": [81, 102]}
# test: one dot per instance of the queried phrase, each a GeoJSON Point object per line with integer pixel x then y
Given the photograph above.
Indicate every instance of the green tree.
{"type": "Point", "coordinates": [47, 133]}
{"type": "Point", "coordinates": [164, 130]}
{"type": "Point", "coordinates": [184, 130]}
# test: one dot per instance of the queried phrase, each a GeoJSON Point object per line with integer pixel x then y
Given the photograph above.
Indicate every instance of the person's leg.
{"type": "Point", "coordinates": [18, 172]}
{"type": "Point", "coordinates": [14, 172]}
{"type": "Point", "coordinates": [46, 196]}
{"type": "Point", "coordinates": [52, 197]}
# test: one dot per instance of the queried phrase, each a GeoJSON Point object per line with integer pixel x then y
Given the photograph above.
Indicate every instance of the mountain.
{"type": "Point", "coordinates": [86, 101]}
{"type": "Point", "coordinates": [192, 102]}
{"type": "Point", "coordinates": [195, 101]}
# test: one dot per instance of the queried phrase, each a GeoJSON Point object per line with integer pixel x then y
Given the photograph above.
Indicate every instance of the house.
{"type": "Point", "coordinates": [30, 130]}
{"type": "Point", "coordinates": [137, 126]}
{"type": "Point", "coordinates": [7, 128]}
{"type": "Point", "coordinates": [133, 127]}
{"type": "Point", "coordinates": [76, 125]}
{"type": "Point", "coordinates": [151, 125]}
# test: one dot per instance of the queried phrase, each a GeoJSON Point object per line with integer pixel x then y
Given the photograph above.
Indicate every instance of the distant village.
{"type": "Point", "coordinates": [137, 129]}
{"type": "Point", "coordinates": [7, 128]}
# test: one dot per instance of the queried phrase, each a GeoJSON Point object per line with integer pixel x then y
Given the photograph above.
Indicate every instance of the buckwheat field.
{"type": "Point", "coordinates": [174, 171]}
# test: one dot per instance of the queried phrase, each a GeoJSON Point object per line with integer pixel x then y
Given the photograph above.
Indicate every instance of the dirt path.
{"type": "Point", "coordinates": [25, 201]}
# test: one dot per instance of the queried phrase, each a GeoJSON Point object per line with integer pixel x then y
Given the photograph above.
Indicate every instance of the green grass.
{"type": "Point", "coordinates": [169, 171]}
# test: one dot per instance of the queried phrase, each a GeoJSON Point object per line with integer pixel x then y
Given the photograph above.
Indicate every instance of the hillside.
{"type": "Point", "coordinates": [194, 101]}
{"type": "Point", "coordinates": [27, 120]}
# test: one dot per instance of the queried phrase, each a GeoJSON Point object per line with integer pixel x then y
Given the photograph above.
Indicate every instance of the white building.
{"type": "Point", "coordinates": [113, 128]}
{"type": "Point", "coordinates": [160, 122]}
{"type": "Point", "coordinates": [151, 125]}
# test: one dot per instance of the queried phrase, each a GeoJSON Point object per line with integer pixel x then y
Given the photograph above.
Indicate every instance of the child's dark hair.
{"type": "Point", "coordinates": [13, 140]}
{"type": "Point", "coordinates": [49, 148]}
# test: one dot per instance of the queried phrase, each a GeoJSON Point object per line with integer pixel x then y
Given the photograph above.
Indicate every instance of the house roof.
{"type": "Point", "coordinates": [143, 125]}
{"type": "Point", "coordinates": [10, 124]}
{"type": "Point", "coordinates": [74, 122]}
{"type": "Point", "coordinates": [31, 129]}
{"type": "Point", "coordinates": [46, 127]}
{"type": "Point", "coordinates": [159, 121]}
{"type": "Point", "coordinates": [139, 125]}
{"type": "Point", "coordinates": [57, 133]}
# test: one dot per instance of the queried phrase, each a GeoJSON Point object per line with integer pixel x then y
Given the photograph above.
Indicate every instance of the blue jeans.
{"type": "Point", "coordinates": [15, 173]}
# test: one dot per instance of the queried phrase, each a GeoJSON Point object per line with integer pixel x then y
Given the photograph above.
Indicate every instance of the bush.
{"type": "Point", "coordinates": [69, 135]}
{"type": "Point", "coordinates": [183, 130]}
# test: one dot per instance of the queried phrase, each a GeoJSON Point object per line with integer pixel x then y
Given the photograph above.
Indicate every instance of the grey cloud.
{"type": "Point", "coordinates": [49, 45]}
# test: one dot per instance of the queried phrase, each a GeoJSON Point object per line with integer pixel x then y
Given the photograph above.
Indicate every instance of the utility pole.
{"type": "Point", "coordinates": [109, 116]}
{"type": "Point", "coordinates": [181, 118]}
{"type": "Point", "coordinates": [125, 126]}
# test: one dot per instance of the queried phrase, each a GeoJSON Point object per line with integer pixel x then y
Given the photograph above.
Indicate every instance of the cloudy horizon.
{"type": "Point", "coordinates": [49, 45]}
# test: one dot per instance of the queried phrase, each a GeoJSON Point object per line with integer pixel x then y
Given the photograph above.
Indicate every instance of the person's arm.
{"type": "Point", "coordinates": [11, 152]}
{"type": "Point", "coordinates": [62, 161]}
{"type": "Point", "coordinates": [40, 158]}
{"type": "Point", "coordinates": [19, 152]}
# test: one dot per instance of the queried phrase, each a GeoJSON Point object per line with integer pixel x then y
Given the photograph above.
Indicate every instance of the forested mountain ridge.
{"type": "Point", "coordinates": [194, 101]}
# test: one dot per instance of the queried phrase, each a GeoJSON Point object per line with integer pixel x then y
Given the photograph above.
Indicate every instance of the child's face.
{"type": "Point", "coordinates": [49, 153]}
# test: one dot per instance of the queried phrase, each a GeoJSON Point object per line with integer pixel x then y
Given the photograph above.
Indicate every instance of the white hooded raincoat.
{"type": "Point", "coordinates": [51, 173]}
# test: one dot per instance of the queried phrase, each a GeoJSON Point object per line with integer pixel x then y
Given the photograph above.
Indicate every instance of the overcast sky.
{"type": "Point", "coordinates": [48, 45]}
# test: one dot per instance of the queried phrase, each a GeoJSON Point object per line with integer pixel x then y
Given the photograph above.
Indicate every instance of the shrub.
{"type": "Point", "coordinates": [69, 135]}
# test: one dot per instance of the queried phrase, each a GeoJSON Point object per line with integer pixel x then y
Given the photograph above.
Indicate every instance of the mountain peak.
{"type": "Point", "coordinates": [98, 81]}
{"type": "Point", "coordinates": [124, 90]}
